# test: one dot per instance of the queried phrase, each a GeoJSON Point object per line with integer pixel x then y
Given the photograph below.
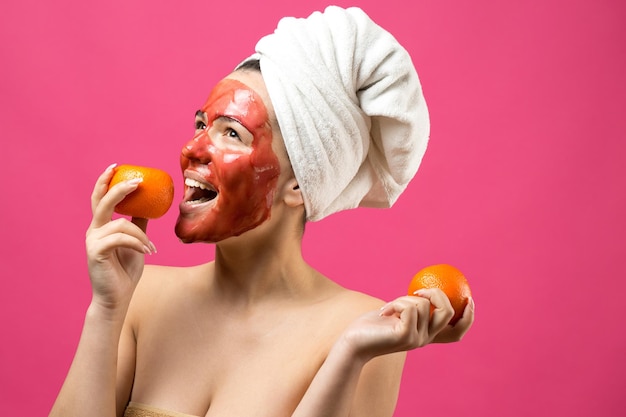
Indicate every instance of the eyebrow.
{"type": "Point", "coordinates": [202, 115]}
{"type": "Point", "coordinates": [231, 119]}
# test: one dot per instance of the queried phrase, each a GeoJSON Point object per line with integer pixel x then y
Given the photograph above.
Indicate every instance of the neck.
{"type": "Point", "coordinates": [265, 264]}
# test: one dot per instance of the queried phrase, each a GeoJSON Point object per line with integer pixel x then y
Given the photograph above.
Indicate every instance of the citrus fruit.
{"type": "Point", "coordinates": [152, 198]}
{"type": "Point", "coordinates": [448, 279]}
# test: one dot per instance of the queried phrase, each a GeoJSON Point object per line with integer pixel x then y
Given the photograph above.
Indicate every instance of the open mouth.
{"type": "Point", "coordinates": [198, 192]}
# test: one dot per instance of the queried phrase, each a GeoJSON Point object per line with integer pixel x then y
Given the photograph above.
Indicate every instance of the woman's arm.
{"type": "Point", "coordinates": [115, 254]}
{"type": "Point", "coordinates": [89, 388]}
{"type": "Point", "coordinates": [361, 375]}
{"type": "Point", "coordinates": [345, 386]}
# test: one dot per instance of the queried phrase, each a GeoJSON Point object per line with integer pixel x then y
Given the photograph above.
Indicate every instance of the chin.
{"type": "Point", "coordinates": [185, 235]}
{"type": "Point", "coordinates": [196, 236]}
{"type": "Point", "coordinates": [193, 230]}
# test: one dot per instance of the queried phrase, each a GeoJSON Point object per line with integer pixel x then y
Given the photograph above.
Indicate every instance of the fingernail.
{"type": "Point", "coordinates": [154, 249]}
{"type": "Point", "coordinates": [134, 181]}
{"type": "Point", "coordinates": [147, 250]}
{"type": "Point", "coordinates": [418, 292]}
{"type": "Point", "coordinates": [110, 167]}
{"type": "Point", "coordinates": [471, 303]}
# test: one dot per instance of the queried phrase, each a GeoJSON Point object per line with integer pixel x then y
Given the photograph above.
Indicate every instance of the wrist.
{"type": "Point", "coordinates": [107, 312]}
{"type": "Point", "coordinates": [348, 352]}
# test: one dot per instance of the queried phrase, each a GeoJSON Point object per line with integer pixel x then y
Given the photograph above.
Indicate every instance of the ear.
{"type": "Point", "coordinates": [293, 195]}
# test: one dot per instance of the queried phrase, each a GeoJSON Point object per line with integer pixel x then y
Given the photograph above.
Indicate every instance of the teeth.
{"type": "Point", "coordinates": [193, 183]}
{"type": "Point", "coordinates": [195, 202]}
{"type": "Point", "coordinates": [197, 197]}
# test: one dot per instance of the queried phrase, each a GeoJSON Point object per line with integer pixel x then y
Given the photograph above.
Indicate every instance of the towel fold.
{"type": "Point", "coordinates": [350, 107]}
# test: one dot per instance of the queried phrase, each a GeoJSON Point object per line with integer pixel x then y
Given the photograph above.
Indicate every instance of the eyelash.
{"type": "Point", "coordinates": [230, 132]}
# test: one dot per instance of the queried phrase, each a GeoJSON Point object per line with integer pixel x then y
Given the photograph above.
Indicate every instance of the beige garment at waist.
{"type": "Point", "coordinates": [142, 410]}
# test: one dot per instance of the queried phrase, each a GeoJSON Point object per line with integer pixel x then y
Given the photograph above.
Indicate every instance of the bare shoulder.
{"type": "Point", "coordinates": [348, 304]}
{"type": "Point", "coordinates": [359, 301]}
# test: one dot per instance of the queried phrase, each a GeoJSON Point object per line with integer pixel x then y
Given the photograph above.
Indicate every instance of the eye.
{"type": "Point", "coordinates": [200, 125]}
{"type": "Point", "coordinates": [231, 133]}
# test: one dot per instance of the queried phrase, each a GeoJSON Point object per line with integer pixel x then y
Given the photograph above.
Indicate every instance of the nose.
{"type": "Point", "coordinates": [199, 148]}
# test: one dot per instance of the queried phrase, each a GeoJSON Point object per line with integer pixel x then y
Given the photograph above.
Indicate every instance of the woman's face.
{"type": "Point", "coordinates": [229, 167]}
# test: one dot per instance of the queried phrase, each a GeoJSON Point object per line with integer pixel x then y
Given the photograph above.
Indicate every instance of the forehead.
{"type": "Point", "coordinates": [254, 81]}
{"type": "Point", "coordinates": [234, 99]}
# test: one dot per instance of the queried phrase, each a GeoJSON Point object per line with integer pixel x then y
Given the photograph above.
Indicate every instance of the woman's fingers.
{"type": "Point", "coordinates": [121, 240]}
{"type": "Point", "coordinates": [414, 313]}
{"type": "Point", "coordinates": [465, 322]}
{"type": "Point", "coordinates": [442, 309]}
{"type": "Point", "coordinates": [415, 321]}
{"type": "Point", "coordinates": [121, 233]}
{"type": "Point", "coordinates": [101, 187]}
{"type": "Point", "coordinates": [423, 319]}
{"type": "Point", "coordinates": [103, 202]}
{"type": "Point", "coordinates": [461, 327]}
{"type": "Point", "coordinates": [105, 205]}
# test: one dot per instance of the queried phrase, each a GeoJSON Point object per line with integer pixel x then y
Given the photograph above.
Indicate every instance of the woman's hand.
{"type": "Point", "coordinates": [406, 323]}
{"type": "Point", "coordinates": [454, 333]}
{"type": "Point", "coordinates": [115, 248]}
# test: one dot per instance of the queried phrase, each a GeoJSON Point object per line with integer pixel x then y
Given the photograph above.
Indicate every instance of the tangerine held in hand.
{"type": "Point", "coordinates": [448, 279]}
{"type": "Point", "coordinates": [152, 198]}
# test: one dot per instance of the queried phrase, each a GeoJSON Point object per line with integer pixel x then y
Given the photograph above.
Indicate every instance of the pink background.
{"type": "Point", "coordinates": [522, 187]}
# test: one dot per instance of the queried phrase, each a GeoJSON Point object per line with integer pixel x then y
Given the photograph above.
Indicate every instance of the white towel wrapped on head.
{"type": "Point", "coordinates": [350, 108]}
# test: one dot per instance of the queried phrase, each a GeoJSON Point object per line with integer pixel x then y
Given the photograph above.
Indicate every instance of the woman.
{"type": "Point", "coordinates": [258, 331]}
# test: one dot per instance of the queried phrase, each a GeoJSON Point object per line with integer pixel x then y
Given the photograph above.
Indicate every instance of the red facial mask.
{"type": "Point", "coordinates": [229, 166]}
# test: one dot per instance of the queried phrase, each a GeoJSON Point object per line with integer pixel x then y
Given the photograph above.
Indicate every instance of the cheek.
{"type": "Point", "coordinates": [264, 158]}
{"type": "Point", "coordinates": [266, 170]}
{"type": "Point", "coordinates": [250, 178]}
{"type": "Point", "coordinates": [236, 170]}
